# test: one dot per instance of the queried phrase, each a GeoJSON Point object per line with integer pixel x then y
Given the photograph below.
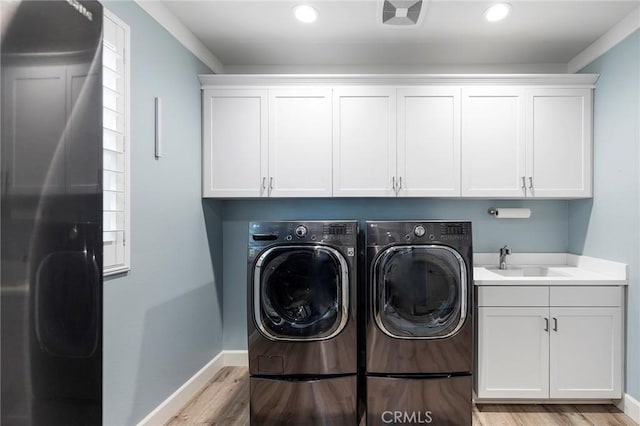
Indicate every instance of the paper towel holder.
{"type": "Point", "coordinates": [509, 213]}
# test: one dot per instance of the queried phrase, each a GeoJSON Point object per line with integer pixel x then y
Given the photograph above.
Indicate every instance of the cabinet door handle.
{"type": "Point", "coordinates": [393, 184]}
{"type": "Point", "coordinates": [555, 324]}
{"type": "Point", "coordinates": [400, 183]}
{"type": "Point", "coordinates": [524, 185]}
{"type": "Point", "coordinates": [546, 324]}
{"type": "Point", "coordinates": [270, 184]}
{"type": "Point", "coordinates": [531, 183]}
{"type": "Point", "coordinates": [264, 183]}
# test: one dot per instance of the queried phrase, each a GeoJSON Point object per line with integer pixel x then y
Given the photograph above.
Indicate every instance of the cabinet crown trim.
{"type": "Point", "coordinates": [565, 80]}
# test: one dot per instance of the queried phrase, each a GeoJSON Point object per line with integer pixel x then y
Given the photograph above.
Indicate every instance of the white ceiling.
{"type": "Point", "coordinates": [349, 33]}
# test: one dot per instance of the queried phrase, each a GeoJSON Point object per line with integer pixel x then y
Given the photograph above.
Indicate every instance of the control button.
{"type": "Point", "coordinates": [301, 231]}
{"type": "Point", "coordinates": [419, 231]}
{"type": "Point", "coordinates": [313, 238]}
{"type": "Point", "coordinates": [432, 237]}
{"type": "Point", "coordinates": [289, 237]}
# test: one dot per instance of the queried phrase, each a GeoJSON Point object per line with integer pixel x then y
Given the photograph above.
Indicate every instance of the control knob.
{"type": "Point", "coordinates": [301, 231]}
{"type": "Point", "coordinates": [419, 231]}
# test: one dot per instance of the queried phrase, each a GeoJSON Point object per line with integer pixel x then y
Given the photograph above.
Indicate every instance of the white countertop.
{"type": "Point", "coordinates": [562, 268]}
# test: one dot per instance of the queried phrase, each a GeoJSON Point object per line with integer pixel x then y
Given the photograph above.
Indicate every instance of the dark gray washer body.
{"type": "Point", "coordinates": [313, 376]}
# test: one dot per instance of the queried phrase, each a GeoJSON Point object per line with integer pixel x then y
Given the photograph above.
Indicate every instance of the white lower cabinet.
{"type": "Point", "coordinates": [513, 353]}
{"type": "Point", "coordinates": [585, 353]}
{"type": "Point", "coordinates": [570, 348]}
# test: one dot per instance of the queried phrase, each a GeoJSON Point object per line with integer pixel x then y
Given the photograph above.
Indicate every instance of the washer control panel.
{"type": "Point", "coordinates": [338, 232]}
{"type": "Point", "coordinates": [382, 233]}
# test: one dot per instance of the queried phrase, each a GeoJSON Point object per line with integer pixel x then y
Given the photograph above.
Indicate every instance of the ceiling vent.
{"type": "Point", "coordinates": [401, 12]}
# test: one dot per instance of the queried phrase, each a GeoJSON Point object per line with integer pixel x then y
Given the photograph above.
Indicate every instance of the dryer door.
{"type": "Point", "coordinates": [300, 293]}
{"type": "Point", "coordinates": [419, 292]}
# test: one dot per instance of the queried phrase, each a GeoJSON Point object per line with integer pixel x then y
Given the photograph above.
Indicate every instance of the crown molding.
{"type": "Point", "coordinates": [180, 32]}
{"type": "Point", "coordinates": [611, 38]}
{"type": "Point", "coordinates": [244, 80]}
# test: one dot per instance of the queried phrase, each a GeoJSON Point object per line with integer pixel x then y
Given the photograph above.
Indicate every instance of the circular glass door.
{"type": "Point", "coordinates": [301, 293]}
{"type": "Point", "coordinates": [419, 292]}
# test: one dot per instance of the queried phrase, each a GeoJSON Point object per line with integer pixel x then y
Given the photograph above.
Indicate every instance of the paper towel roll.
{"type": "Point", "coordinates": [505, 213]}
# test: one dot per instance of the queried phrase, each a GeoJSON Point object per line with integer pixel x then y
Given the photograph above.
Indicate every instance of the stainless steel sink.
{"type": "Point", "coordinates": [527, 271]}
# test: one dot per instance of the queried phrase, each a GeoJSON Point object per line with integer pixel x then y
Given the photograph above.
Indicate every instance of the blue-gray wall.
{"type": "Point", "coordinates": [162, 320]}
{"type": "Point", "coordinates": [545, 231]}
{"type": "Point", "coordinates": [608, 226]}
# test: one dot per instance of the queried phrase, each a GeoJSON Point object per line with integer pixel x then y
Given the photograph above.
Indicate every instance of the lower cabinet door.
{"type": "Point", "coordinates": [330, 401]}
{"type": "Point", "coordinates": [513, 353]}
{"type": "Point", "coordinates": [443, 401]}
{"type": "Point", "coordinates": [586, 353]}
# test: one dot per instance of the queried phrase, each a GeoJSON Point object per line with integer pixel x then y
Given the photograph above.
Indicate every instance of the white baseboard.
{"type": "Point", "coordinates": [236, 358]}
{"type": "Point", "coordinates": [630, 406]}
{"type": "Point", "coordinates": [170, 406]}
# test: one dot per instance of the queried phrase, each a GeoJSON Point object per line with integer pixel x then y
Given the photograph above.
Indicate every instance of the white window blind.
{"type": "Point", "coordinates": [116, 188]}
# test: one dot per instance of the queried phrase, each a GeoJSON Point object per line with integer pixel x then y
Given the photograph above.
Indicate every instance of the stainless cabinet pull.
{"type": "Point", "coordinates": [546, 324]}
{"type": "Point", "coordinates": [393, 184]}
{"type": "Point", "coordinates": [270, 183]}
{"type": "Point", "coordinates": [264, 183]}
{"type": "Point", "coordinates": [531, 183]}
{"type": "Point", "coordinates": [400, 186]}
{"type": "Point", "coordinates": [524, 184]}
{"type": "Point", "coordinates": [555, 324]}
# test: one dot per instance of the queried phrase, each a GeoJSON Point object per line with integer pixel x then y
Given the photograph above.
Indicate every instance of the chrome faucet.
{"type": "Point", "coordinates": [504, 252]}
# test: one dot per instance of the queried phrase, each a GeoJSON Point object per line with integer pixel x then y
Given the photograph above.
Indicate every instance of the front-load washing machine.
{"type": "Point", "coordinates": [419, 328]}
{"type": "Point", "coordinates": [302, 322]}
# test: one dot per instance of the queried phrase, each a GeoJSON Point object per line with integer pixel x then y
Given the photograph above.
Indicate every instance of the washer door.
{"type": "Point", "coordinates": [419, 292]}
{"type": "Point", "coordinates": [301, 293]}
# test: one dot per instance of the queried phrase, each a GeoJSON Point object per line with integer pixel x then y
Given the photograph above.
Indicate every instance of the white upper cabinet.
{"type": "Point", "coordinates": [493, 142]}
{"type": "Point", "coordinates": [235, 152]}
{"type": "Point", "coordinates": [428, 158]}
{"type": "Point", "coordinates": [300, 143]}
{"type": "Point", "coordinates": [364, 142]}
{"type": "Point", "coordinates": [559, 144]}
{"type": "Point", "coordinates": [520, 142]}
{"type": "Point", "coordinates": [477, 136]}
{"type": "Point", "coordinates": [267, 143]}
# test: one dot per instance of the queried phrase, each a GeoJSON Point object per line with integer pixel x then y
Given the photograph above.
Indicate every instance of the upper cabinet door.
{"type": "Point", "coordinates": [235, 156]}
{"type": "Point", "coordinates": [364, 142]}
{"type": "Point", "coordinates": [559, 143]}
{"type": "Point", "coordinates": [300, 135]}
{"type": "Point", "coordinates": [429, 142]}
{"type": "Point", "coordinates": [493, 142]}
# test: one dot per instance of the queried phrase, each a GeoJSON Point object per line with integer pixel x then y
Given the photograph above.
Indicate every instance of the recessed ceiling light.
{"type": "Point", "coordinates": [497, 12]}
{"type": "Point", "coordinates": [305, 13]}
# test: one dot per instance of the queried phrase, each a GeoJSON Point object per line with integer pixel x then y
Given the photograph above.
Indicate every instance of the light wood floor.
{"type": "Point", "coordinates": [225, 402]}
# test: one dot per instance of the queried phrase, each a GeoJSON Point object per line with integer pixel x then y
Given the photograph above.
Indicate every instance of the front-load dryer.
{"type": "Point", "coordinates": [419, 328]}
{"type": "Point", "coordinates": [302, 322]}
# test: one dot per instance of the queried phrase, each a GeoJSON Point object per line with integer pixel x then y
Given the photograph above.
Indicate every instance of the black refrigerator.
{"type": "Point", "coordinates": [51, 213]}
